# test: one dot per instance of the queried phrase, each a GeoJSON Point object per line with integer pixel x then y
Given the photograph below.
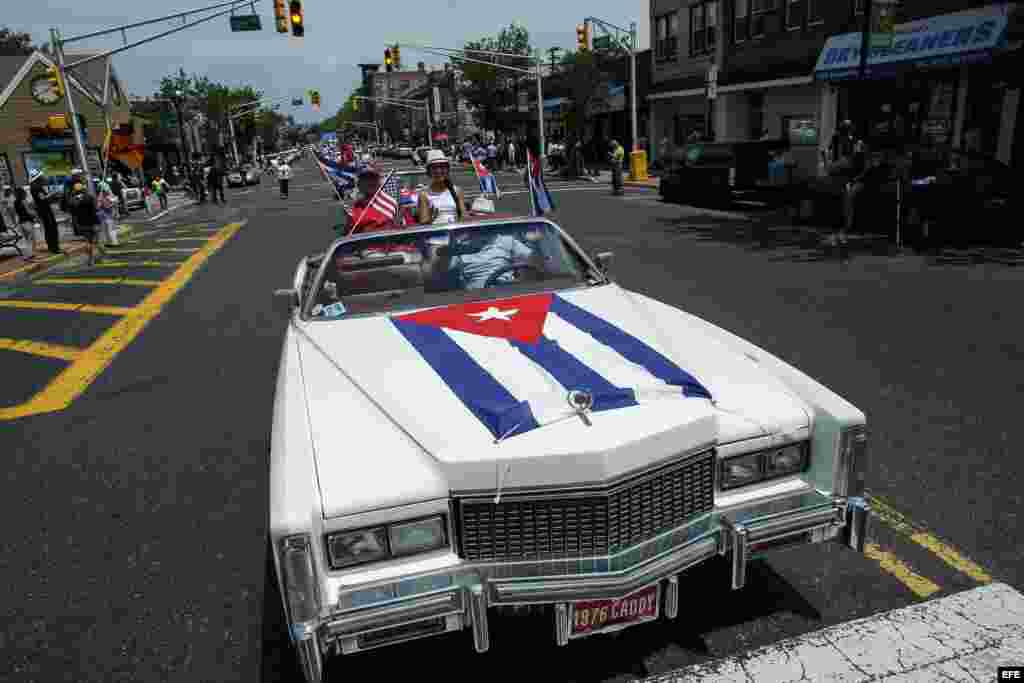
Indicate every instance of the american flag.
{"type": "Point", "coordinates": [388, 198]}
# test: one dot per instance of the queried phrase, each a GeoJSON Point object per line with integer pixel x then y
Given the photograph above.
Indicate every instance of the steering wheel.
{"type": "Point", "coordinates": [515, 267]}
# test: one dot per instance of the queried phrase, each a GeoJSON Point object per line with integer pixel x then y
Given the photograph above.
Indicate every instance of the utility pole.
{"type": "Point", "coordinates": [865, 48]}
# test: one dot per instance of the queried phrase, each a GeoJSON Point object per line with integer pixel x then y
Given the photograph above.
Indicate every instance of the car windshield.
{"type": "Point", "coordinates": [444, 266]}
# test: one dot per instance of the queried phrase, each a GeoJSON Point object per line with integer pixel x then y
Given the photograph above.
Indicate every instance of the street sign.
{"type": "Point", "coordinates": [602, 42]}
{"type": "Point", "coordinates": [246, 22]}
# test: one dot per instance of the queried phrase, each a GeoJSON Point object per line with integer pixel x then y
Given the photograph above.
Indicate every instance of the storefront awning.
{"type": "Point", "coordinates": [968, 37]}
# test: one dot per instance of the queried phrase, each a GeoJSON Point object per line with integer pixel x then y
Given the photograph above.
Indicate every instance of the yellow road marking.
{"type": "Point", "coordinates": [61, 306]}
{"type": "Point", "coordinates": [32, 265]}
{"type": "Point", "coordinates": [920, 586]}
{"type": "Point", "coordinates": [147, 264]}
{"type": "Point", "coordinates": [151, 251]}
{"type": "Point", "coordinates": [97, 281]}
{"type": "Point", "coordinates": [38, 348]}
{"type": "Point", "coordinates": [181, 239]}
{"type": "Point", "coordinates": [919, 535]}
{"type": "Point", "coordinates": [77, 377]}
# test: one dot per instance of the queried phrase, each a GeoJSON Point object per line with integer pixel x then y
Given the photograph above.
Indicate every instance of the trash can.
{"type": "Point", "coordinates": [638, 165]}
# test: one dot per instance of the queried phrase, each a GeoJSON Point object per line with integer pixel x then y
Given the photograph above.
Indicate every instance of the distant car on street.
{"type": "Point", "coordinates": [251, 175]}
{"type": "Point", "coordinates": [134, 198]}
{"type": "Point", "coordinates": [235, 178]}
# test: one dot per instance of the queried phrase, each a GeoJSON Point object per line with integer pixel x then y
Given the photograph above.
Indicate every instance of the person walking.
{"type": "Point", "coordinates": [83, 207]}
{"type": "Point", "coordinates": [284, 174]}
{"type": "Point", "coordinates": [117, 187]}
{"type": "Point", "coordinates": [42, 199]}
{"type": "Point", "coordinates": [492, 156]}
{"type": "Point", "coordinates": [216, 183]}
{"type": "Point", "coordinates": [618, 154]}
{"type": "Point", "coordinates": [511, 154]}
{"type": "Point", "coordinates": [106, 206]}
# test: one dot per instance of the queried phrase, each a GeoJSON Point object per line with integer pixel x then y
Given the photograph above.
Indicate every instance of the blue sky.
{"type": "Point", "coordinates": [339, 35]}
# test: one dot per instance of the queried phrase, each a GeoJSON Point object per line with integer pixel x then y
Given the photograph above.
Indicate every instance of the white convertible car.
{"type": "Point", "coordinates": [475, 417]}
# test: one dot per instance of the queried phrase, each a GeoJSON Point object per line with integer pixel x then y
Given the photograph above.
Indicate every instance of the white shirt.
{"type": "Point", "coordinates": [284, 172]}
{"type": "Point", "coordinates": [443, 206]}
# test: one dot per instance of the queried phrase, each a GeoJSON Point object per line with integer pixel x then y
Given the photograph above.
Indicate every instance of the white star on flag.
{"type": "Point", "coordinates": [494, 313]}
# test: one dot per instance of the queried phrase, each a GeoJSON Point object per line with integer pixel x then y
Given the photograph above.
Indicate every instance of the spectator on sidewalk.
{"type": "Point", "coordinates": [117, 187]}
{"type": "Point", "coordinates": [83, 206]}
{"type": "Point", "coordinates": [42, 199]}
{"type": "Point", "coordinates": [216, 183]}
{"type": "Point", "coordinates": [7, 206]}
{"type": "Point", "coordinates": [617, 155]}
{"type": "Point", "coordinates": [24, 219]}
{"type": "Point", "coordinates": [106, 205]}
{"type": "Point", "coordinates": [492, 156]}
{"type": "Point", "coordinates": [511, 155]}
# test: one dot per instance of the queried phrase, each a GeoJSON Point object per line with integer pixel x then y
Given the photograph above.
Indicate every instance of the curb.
{"type": "Point", "coordinates": [36, 267]}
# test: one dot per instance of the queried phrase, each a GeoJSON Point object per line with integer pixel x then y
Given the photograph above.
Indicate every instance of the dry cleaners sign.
{"type": "Point", "coordinates": [946, 40]}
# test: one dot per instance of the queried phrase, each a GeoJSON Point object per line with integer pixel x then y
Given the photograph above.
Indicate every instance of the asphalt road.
{"type": "Point", "coordinates": [136, 491]}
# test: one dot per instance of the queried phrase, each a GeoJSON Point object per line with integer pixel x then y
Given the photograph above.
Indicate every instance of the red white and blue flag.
{"type": "Point", "coordinates": [540, 199]}
{"type": "Point", "coordinates": [513, 362]}
{"type": "Point", "coordinates": [488, 183]}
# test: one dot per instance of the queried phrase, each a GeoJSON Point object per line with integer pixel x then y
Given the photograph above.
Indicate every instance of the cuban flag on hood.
{"type": "Point", "coordinates": [514, 362]}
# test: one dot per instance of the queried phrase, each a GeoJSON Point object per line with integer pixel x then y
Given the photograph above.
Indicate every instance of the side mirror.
{"type": "Point", "coordinates": [604, 261]}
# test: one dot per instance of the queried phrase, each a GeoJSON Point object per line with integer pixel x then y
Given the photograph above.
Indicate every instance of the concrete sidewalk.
{"type": "Point", "coordinates": [962, 637]}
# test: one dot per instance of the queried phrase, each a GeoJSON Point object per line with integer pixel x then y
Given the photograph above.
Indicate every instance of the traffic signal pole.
{"type": "Point", "coordinates": [63, 67]}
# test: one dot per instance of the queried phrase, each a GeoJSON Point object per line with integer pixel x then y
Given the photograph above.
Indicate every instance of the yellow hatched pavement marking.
{"type": "Point", "coordinates": [145, 264]}
{"type": "Point", "coordinates": [38, 348]}
{"type": "Point", "coordinates": [61, 306]}
{"type": "Point", "coordinates": [151, 251]}
{"type": "Point", "coordinates": [182, 239]}
{"type": "Point", "coordinates": [98, 281]}
{"type": "Point", "coordinates": [920, 586]}
{"type": "Point", "coordinates": [919, 535]}
{"type": "Point", "coordinates": [77, 377]}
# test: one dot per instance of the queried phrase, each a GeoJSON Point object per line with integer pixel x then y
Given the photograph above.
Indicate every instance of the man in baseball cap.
{"type": "Point", "coordinates": [42, 199]}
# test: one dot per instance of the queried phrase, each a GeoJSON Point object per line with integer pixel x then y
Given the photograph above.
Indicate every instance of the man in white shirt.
{"type": "Point", "coordinates": [284, 174]}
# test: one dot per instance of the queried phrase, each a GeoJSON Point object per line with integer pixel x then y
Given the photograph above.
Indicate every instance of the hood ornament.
{"type": "Point", "coordinates": [582, 402]}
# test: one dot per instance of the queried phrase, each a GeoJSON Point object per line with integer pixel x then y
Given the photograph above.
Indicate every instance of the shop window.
{"type": "Point", "coordinates": [703, 27]}
{"type": "Point", "coordinates": [741, 21]}
{"type": "Point", "coordinates": [801, 130]}
{"type": "Point", "coordinates": [794, 14]}
{"type": "Point", "coordinates": [666, 46]}
{"type": "Point", "coordinates": [759, 12]}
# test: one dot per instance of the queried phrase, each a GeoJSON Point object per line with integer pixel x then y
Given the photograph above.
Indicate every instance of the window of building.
{"type": "Point", "coordinates": [801, 130]}
{"type": "Point", "coordinates": [741, 21]}
{"type": "Point", "coordinates": [667, 26]}
{"type": "Point", "coordinates": [794, 13]}
{"type": "Point", "coordinates": [759, 11]}
{"type": "Point", "coordinates": [703, 26]}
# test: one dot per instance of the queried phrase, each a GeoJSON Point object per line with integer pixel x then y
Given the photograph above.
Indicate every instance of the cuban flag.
{"type": "Point", "coordinates": [488, 183]}
{"type": "Point", "coordinates": [514, 362]}
{"type": "Point", "coordinates": [540, 199]}
{"type": "Point", "coordinates": [343, 180]}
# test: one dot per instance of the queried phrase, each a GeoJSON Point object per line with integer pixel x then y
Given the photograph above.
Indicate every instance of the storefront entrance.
{"type": "Point", "coordinates": [917, 108]}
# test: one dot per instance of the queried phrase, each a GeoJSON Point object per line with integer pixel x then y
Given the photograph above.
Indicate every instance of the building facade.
{"type": "Point", "coordinates": [26, 105]}
{"type": "Point", "coordinates": [774, 77]}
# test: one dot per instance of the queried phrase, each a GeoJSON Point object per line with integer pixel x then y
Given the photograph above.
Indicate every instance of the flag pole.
{"type": "Point", "coordinates": [323, 175]}
{"type": "Point", "coordinates": [379, 190]}
{"type": "Point", "coordinates": [529, 182]}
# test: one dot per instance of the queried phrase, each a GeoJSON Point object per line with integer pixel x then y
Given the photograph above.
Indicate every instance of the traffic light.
{"type": "Point", "coordinates": [396, 56]}
{"type": "Point", "coordinates": [583, 36]}
{"type": "Point", "coordinates": [389, 63]}
{"type": "Point", "coordinates": [298, 30]}
{"type": "Point", "coordinates": [355, 104]}
{"type": "Point", "coordinates": [314, 99]}
{"type": "Point", "coordinates": [280, 16]}
{"type": "Point", "coordinates": [53, 74]}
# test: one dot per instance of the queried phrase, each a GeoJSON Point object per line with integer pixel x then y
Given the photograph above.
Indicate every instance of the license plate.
{"type": "Point", "coordinates": [588, 617]}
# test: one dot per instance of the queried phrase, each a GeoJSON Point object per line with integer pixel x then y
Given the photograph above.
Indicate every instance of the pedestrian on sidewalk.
{"type": "Point", "coordinates": [106, 205]}
{"type": "Point", "coordinates": [160, 190]}
{"type": "Point", "coordinates": [492, 156]}
{"type": "Point", "coordinates": [284, 174]}
{"type": "Point", "coordinates": [216, 184]}
{"type": "Point", "coordinates": [7, 206]}
{"type": "Point", "coordinates": [618, 154]}
{"type": "Point", "coordinates": [117, 187]}
{"type": "Point", "coordinates": [25, 220]}
{"type": "Point", "coordinates": [42, 199]}
{"type": "Point", "coordinates": [511, 155]}
{"type": "Point", "coordinates": [83, 206]}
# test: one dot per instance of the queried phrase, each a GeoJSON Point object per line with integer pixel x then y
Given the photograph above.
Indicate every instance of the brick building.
{"type": "Point", "coordinates": [26, 103]}
{"type": "Point", "coordinates": [770, 82]}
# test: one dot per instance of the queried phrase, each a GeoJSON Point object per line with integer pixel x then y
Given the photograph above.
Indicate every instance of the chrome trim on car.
{"type": "Point", "coordinates": [405, 611]}
{"type": "Point", "coordinates": [858, 518]}
{"type": "Point", "coordinates": [478, 618]}
{"type": "Point", "coordinates": [738, 532]}
{"type": "Point", "coordinates": [310, 659]}
{"type": "Point", "coordinates": [561, 624]}
{"type": "Point", "coordinates": [672, 597]}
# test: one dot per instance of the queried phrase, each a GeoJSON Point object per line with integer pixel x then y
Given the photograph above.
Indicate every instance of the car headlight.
{"type": "Point", "coordinates": [362, 546]}
{"type": "Point", "coordinates": [763, 465]}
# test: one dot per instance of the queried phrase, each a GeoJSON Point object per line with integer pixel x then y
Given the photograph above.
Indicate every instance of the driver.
{"type": "Point", "coordinates": [474, 259]}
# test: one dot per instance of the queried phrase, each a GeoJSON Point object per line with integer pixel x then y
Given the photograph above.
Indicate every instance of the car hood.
{"type": "Point", "coordinates": [474, 412]}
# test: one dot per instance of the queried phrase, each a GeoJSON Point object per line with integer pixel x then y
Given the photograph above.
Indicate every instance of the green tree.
{"type": "Point", "coordinates": [213, 101]}
{"type": "Point", "coordinates": [484, 86]}
{"type": "Point", "coordinates": [16, 43]}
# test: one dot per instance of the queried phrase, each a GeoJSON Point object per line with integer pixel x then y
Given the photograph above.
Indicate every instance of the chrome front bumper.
{"type": "Point", "coordinates": [744, 533]}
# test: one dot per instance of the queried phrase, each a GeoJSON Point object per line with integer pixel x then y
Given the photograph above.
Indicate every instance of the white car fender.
{"type": "Point", "coordinates": [832, 413]}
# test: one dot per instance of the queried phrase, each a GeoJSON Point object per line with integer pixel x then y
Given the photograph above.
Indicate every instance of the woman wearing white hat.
{"type": "Point", "coordinates": [441, 203]}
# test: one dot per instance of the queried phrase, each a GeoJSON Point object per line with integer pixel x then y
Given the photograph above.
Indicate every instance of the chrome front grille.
{"type": "Point", "coordinates": [588, 523]}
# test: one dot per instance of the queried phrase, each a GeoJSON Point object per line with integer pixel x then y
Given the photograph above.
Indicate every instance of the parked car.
{"type": "Point", "coordinates": [252, 175]}
{"type": "Point", "coordinates": [419, 157]}
{"type": "Point", "coordinates": [450, 441]}
{"type": "Point", "coordinates": [134, 198]}
{"type": "Point", "coordinates": [712, 172]}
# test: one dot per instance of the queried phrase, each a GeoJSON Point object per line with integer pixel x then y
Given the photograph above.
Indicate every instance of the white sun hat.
{"type": "Point", "coordinates": [436, 156]}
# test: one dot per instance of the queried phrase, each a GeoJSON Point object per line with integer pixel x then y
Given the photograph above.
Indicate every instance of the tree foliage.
{"type": "Point", "coordinates": [582, 77]}
{"type": "Point", "coordinates": [484, 86]}
{"type": "Point", "coordinates": [211, 102]}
